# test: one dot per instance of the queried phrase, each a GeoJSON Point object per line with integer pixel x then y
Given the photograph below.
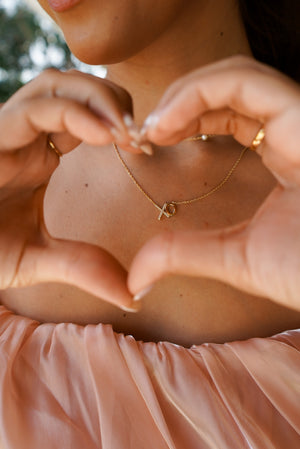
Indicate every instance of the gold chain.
{"type": "Point", "coordinates": [169, 208]}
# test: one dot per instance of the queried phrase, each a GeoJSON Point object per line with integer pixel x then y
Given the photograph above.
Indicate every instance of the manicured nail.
{"type": "Point", "coordinates": [116, 133]}
{"type": "Point", "coordinates": [142, 293]}
{"type": "Point", "coordinates": [132, 128]}
{"type": "Point", "coordinates": [130, 125]}
{"type": "Point", "coordinates": [135, 134]}
{"type": "Point", "coordinates": [128, 120]}
{"type": "Point", "coordinates": [147, 148]}
{"type": "Point", "coordinates": [134, 309]}
{"type": "Point", "coordinates": [134, 144]}
{"type": "Point", "coordinates": [150, 122]}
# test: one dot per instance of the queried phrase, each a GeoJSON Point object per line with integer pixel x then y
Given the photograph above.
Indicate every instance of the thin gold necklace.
{"type": "Point", "coordinates": [169, 208]}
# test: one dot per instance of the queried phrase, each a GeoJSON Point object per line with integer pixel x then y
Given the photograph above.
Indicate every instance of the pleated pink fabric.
{"type": "Point", "coordinates": [68, 386]}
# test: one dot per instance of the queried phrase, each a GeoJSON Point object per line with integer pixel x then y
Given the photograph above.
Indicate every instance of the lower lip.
{"type": "Point", "coordinates": [62, 5]}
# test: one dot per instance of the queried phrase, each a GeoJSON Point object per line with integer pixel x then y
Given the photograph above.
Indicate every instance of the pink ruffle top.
{"type": "Point", "coordinates": [86, 387]}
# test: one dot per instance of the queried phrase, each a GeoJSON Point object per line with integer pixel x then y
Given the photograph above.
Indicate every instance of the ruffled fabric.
{"type": "Point", "coordinates": [68, 386]}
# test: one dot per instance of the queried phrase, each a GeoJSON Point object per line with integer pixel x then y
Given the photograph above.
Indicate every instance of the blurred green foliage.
{"type": "Point", "coordinates": [19, 33]}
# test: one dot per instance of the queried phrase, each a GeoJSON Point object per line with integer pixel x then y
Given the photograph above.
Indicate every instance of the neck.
{"type": "Point", "coordinates": [205, 32]}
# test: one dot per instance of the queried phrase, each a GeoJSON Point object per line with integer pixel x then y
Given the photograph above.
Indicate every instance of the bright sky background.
{"type": "Point", "coordinates": [8, 4]}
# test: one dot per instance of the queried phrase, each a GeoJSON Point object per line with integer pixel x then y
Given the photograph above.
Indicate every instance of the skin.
{"type": "Point", "coordinates": [87, 224]}
{"type": "Point", "coordinates": [162, 41]}
{"type": "Point", "coordinates": [249, 254]}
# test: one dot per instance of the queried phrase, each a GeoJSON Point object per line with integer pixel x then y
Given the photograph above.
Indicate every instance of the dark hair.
{"type": "Point", "coordinates": [273, 31]}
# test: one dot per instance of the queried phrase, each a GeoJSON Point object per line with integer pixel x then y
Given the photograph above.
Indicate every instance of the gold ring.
{"type": "Point", "coordinates": [53, 147]}
{"type": "Point", "coordinates": [257, 139]}
{"type": "Point", "coordinates": [203, 137]}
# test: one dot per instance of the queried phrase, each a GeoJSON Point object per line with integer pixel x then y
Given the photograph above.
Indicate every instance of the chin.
{"type": "Point", "coordinates": [101, 53]}
{"type": "Point", "coordinates": [97, 57]}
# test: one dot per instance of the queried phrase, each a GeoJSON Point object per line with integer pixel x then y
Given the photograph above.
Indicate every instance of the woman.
{"type": "Point", "coordinates": [67, 263]}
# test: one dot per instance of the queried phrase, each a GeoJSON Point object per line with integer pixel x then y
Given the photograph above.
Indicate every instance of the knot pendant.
{"type": "Point", "coordinates": [168, 210]}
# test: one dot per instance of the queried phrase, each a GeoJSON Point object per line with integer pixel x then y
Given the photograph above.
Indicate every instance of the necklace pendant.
{"type": "Point", "coordinates": [168, 210]}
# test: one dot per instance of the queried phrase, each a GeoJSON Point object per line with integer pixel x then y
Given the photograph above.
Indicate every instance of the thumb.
{"type": "Point", "coordinates": [83, 265]}
{"type": "Point", "coordinates": [220, 255]}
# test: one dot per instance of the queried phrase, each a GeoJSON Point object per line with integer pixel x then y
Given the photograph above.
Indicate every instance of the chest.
{"type": "Point", "coordinates": [92, 199]}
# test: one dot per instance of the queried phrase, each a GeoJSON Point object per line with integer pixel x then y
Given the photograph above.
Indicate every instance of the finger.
{"type": "Point", "coordinates": [49, 115]}
{"type": "Point", "coordinates": [85, 266]}
{"type": "Point", "coordinates": [193, 253]}
{"type": "Point", "coordinates": [222, 122]}
{"type": "Point", "coordinates": [236, 61]}
{"type": "Point", "coordinates": [122, 96]}
{"type": "Point", "coordinates": [31, 117]}
{"type": "Point", "coordinates": [106, 101]}
{"type": "Point", "coordinates": [64, 141]}
{"type": "Point", "coordinates": [220, 255]}
{"type": "Point", "coordinates": [248, 90]}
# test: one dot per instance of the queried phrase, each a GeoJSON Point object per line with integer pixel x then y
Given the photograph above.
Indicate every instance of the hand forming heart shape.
{"type": "Point", "coordinates": [235, 96]}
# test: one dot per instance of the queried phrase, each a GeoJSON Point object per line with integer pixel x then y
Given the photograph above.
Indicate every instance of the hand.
{"type": "Point", "coordinates": [72, 108]}
{"type": "Point", "coordinates": [261, 256]}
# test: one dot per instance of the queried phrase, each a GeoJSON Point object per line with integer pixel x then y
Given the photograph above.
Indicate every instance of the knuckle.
{"type": "Point", "coordinates": [242, 60]}
{"type": "Point", "coordinates": [247, 65]}
{"type": "Point", "coordinates": [48, 73]}
{"type": "Point", "coordinates": [231, 125]}
{"type": "Point", "coordinates": [73, 72]}
{"type": "Point", "coordinates": [47, 80]}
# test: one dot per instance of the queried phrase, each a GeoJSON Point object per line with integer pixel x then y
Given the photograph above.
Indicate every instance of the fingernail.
{"type": "Point", "coordinates": [150, 122]}
{"type": "Point", "coordinates": [134, 144]}
{"type": "Point", "coordinates": [142, 293]}
{"type": "Point", "coordinates": [134, 309]}
{"type": "Point", "coordinates": [133, 129]}
{"type": "Point", "coordinates": [146, 148]}
{"type": "Point", "coordinates": [128, 120]}
{"type": "Point", "coordinates": [116, 133]}
{"type": "Point", "coordinates": [135, 134]}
